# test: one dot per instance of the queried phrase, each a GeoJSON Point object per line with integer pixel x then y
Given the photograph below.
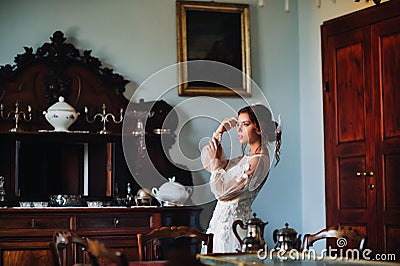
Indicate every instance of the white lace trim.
{"type": "Point", "coordinates": [225, 213]}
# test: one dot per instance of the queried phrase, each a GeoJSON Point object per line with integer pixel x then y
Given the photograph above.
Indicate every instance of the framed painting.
{"type": "Point", "coordinates": [218, 36]}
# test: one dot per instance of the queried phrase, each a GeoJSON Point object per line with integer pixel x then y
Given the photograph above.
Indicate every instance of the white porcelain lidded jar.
{"type": "Point", "coordinates": [61, 115]}
{"type": "Point", "coordinates": [172, 193]}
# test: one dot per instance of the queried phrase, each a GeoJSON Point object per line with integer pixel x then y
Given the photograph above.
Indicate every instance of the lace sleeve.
{"type": "Point", "coordinates": [209, 162]}
{"type": "Point", "coordinates": [242, 174]}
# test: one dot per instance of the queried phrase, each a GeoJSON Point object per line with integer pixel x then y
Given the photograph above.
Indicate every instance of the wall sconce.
{"type": "Point", "coordinates": [286, 6]}
{"type": "Point", "coordinates": [140, 130]}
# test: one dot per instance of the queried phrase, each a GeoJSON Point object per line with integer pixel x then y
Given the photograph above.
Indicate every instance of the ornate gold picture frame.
{"type": "Point", "coordinates": [217, 32]}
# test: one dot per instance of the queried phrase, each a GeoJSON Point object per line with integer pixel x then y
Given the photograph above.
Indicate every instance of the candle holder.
{"type": "Point", "coordinates": [16, 115]}
{"type": "Point", "coordinates": [104, 116]}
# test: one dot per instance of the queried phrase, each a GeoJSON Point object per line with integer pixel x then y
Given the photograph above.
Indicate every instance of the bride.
{"type": "Point", "coordinates": [237, 181]}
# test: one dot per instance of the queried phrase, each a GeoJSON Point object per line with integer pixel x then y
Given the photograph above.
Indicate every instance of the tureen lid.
{"type": "Point", "coordinates": [171, 183]}
{"type": "Point", "coordinates": [61, 106]}
{"type": "Point", "coordinates": [170, 187]}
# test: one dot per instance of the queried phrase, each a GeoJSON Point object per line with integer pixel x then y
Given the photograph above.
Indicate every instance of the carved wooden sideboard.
{"type": "Point", "coordinates": [37, 162]}
{"type": "Point", "coordinates": [25, 233]}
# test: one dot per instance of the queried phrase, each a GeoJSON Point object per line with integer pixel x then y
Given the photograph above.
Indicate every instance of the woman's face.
{"type": "Point", "coordinates": [247, 130]}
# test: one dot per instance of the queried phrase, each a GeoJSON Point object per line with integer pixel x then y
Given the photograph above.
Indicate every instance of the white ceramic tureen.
{"type": "Point", "coordinates": [172, 193]}
{"type": "Point", "coordinates": [61, 115]}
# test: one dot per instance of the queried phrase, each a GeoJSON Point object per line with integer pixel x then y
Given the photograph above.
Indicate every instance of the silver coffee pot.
{"type": "Point", "coordinates": [254, 239]}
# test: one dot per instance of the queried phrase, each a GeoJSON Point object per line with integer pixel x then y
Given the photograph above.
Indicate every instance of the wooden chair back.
{"type": "Point", "coordinates": [350, 234]}
{"type": "Point", "coordinates": [172, 232]}
{"type": "Point", "coordinates": [95, 250]}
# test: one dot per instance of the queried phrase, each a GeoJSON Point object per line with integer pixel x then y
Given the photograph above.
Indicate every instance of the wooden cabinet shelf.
{"type": "Point", "coordinates": [44, 164]}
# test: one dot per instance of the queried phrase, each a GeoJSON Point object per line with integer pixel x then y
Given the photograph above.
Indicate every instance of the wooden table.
{"type": "Point", "coordinates": [245, 259]}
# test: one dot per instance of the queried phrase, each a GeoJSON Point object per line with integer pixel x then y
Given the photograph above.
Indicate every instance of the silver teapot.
{"type": "Point", "coordinates": [286, 239]}
{"type": "Point", "coordinates": [254, 239]}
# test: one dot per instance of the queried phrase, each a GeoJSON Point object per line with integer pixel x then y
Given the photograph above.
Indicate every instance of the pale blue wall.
{"type": "Point", "coordinates": [138, 38]}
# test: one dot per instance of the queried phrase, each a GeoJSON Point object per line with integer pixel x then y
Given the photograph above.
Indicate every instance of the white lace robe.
{"type": "Point", "coordinates": [235, 187]}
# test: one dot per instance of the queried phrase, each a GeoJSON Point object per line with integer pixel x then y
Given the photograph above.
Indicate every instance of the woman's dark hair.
{"type": "Point", "coordinates": [262, 117]}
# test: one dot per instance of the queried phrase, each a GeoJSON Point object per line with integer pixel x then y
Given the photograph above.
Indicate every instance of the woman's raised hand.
{"type": "Point", "coordinates": [226, 124]}
{"type": "Point", "coordinates": [214, 147]}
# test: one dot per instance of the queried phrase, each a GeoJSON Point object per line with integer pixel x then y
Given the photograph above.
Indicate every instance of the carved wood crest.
{"type": "Point", "coordinates": [58, 68]}
{"type": "Point", "coordinates": [58, 55]}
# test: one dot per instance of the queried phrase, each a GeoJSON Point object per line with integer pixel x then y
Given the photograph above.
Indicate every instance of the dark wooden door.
{"type": "Point", "coordinates": [386, 73]}
{"type": "Point", "coordinates": [361, 73]}
{"type": "Point", "coordinates": [349, 132]}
